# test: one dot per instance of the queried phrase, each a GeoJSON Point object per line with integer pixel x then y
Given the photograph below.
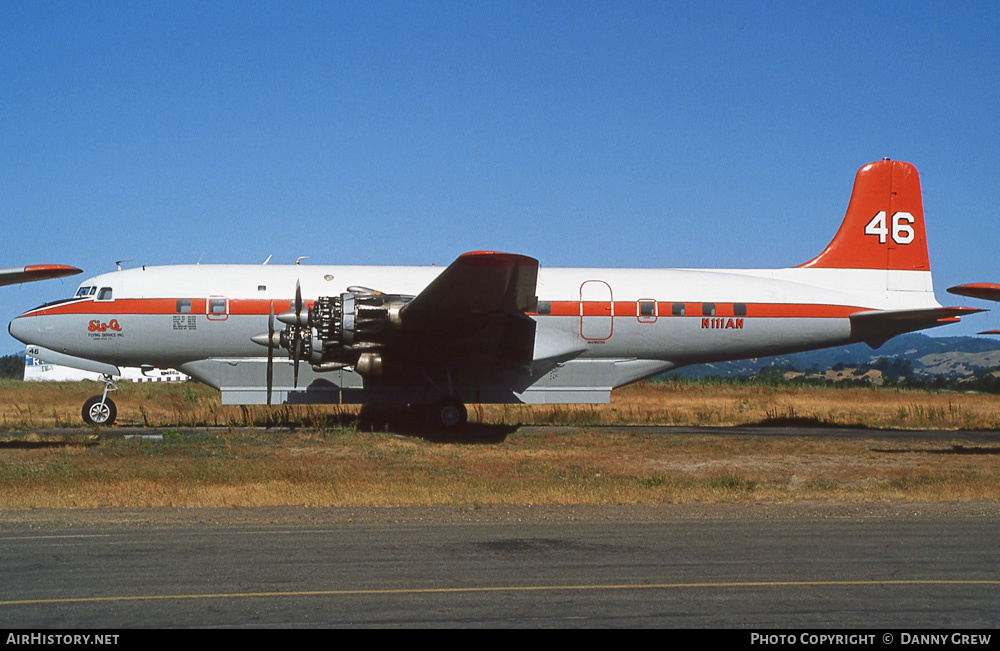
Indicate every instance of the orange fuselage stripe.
{"type": "Point", "coordinates": [664, 309]}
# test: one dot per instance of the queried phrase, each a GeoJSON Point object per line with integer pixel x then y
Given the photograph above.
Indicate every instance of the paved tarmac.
{"type": "Point", "coordinates": [750, 567]}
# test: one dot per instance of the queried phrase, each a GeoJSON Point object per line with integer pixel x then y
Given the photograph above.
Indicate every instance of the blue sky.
{"type": "Point", "coordinates": [663, 134]}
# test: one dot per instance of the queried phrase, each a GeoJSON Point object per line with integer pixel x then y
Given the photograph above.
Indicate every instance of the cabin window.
{"type": "Point", "coordinates": [677, 309]}
{"type": "Point", "coordinates": [739, 309]}
{"type": "Point", "coordinates": [261, 288]}
{"type": "Point", "coordinates": [544, 307]}
{"type": "Point", "coordinates": [105, 294]}
{"type": "Point", "coordinates": [646, 310]}
{"type": "Point", "coordinates": [217, 308]}
{"type": "Point", "coordinates": [183, 305]}
{"type": "Point", "coordinates": [708, 309]}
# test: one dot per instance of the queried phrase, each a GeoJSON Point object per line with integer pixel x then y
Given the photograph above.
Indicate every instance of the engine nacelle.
{"type": "Point", "coordinates": [345, 330]}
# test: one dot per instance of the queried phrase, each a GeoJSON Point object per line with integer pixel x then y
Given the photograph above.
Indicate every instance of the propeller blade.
{"type": "Point", "coordinates": [270, 353]}
{"type": "Point", "coordinates": [298, 301]}
{"type": "Point", "coordinates": [297, 336]}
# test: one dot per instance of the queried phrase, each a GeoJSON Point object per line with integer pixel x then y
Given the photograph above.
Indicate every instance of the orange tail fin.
{"type": "Point", "coordinates": [884, 224]}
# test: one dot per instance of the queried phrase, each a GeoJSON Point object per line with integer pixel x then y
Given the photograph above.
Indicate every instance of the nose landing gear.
{"type": "Point", "coordinates": [101, 410]}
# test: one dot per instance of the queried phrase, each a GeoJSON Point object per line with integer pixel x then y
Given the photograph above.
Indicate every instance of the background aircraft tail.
{"type": "Point", "coordinates": [884, 225]}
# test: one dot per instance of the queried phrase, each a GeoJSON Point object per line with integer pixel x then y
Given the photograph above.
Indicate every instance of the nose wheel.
{"type": "Point", "coordinates": [101, 410]}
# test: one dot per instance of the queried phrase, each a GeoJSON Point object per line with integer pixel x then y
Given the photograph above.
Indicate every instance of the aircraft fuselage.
{"type": "Point", "coordinates": [495, 327]}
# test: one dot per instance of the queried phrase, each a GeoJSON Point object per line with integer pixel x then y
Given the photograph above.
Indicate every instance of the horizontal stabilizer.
{"type": "Point", "coordinates": [985, 291]}
{"type": "Point", "coordinates": [875, 327]}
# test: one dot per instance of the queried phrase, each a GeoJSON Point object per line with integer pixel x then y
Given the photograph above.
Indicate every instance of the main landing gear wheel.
{"type": "Point", "coordinates": [449, 414]}
{"type": "Point", "coordinates": [99, 410]}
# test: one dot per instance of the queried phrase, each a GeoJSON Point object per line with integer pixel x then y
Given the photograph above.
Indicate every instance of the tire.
{"type": "Point", "coordinates": [96, 414]}
{"type": "Point", "coordinates": [449, 414]}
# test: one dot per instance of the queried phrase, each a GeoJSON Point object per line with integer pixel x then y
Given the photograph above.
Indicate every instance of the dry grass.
{"type": "Point", "coordinates": [691, 404]}
{"type": "Point", "coordinates": [45, 405]}
{"type": "Point", "coordinates": [329, 461]}
{"type": "Point", "coordinates": [254, 468]}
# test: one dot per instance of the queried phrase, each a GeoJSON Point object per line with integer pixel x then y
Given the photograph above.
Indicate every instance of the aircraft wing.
{"type": "Point", "coordinates": [33, 272]}
{"type": "Point", "coordinates": [476, 306]}
{"type": "Point", "coordinates": [875, 327]}
{"type": "Point", "coordinates": [985, 291]}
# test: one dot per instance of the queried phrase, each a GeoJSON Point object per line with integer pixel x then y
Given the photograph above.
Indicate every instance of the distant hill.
{"type": "Point", "coordinates": [947, 356]}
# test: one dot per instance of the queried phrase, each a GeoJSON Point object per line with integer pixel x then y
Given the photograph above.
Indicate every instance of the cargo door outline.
{"type": "Point", "coordinates": [597, 311]}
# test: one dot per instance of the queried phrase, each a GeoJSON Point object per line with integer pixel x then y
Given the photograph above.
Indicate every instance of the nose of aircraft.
{"type": "Point", "coordinates": [25, 329]}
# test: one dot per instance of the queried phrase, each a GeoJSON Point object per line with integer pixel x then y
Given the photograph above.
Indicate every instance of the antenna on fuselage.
{"type": "Point", "coordinates": [118, 263]}
{"type": "Point", "coordinates": [268, 259]}
{"type": "Point", "coordinates": [299, 259]}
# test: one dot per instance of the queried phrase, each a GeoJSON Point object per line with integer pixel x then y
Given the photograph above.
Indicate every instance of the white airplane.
{"type": "Point", "coordinates": [33, 272]}
{"type": "Point", "coordinates": [493, 327]}
{"type": "Point", "coordinates": [984, 291]}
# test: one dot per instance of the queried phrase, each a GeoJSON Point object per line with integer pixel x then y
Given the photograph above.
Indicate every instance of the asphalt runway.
{"type": "Point", "coordinates": [750, 567]}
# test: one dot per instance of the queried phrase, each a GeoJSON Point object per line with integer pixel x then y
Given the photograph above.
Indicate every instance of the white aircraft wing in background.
{"type": "Point", "coordinates": [33, 272]}
{"type": "Point", "coordinates": [984, 291]}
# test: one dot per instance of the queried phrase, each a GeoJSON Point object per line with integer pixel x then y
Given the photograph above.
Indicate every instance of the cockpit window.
{"type": "Point", "coordinates": [104, 294]}
{"type": "Point", "coordinates": [83, 292]}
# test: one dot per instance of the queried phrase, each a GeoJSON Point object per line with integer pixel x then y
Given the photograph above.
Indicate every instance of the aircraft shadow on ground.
{"type": "Point", "coordinates": [404, 422]}
{"type": "Point", "coordinates": [41, 445]}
